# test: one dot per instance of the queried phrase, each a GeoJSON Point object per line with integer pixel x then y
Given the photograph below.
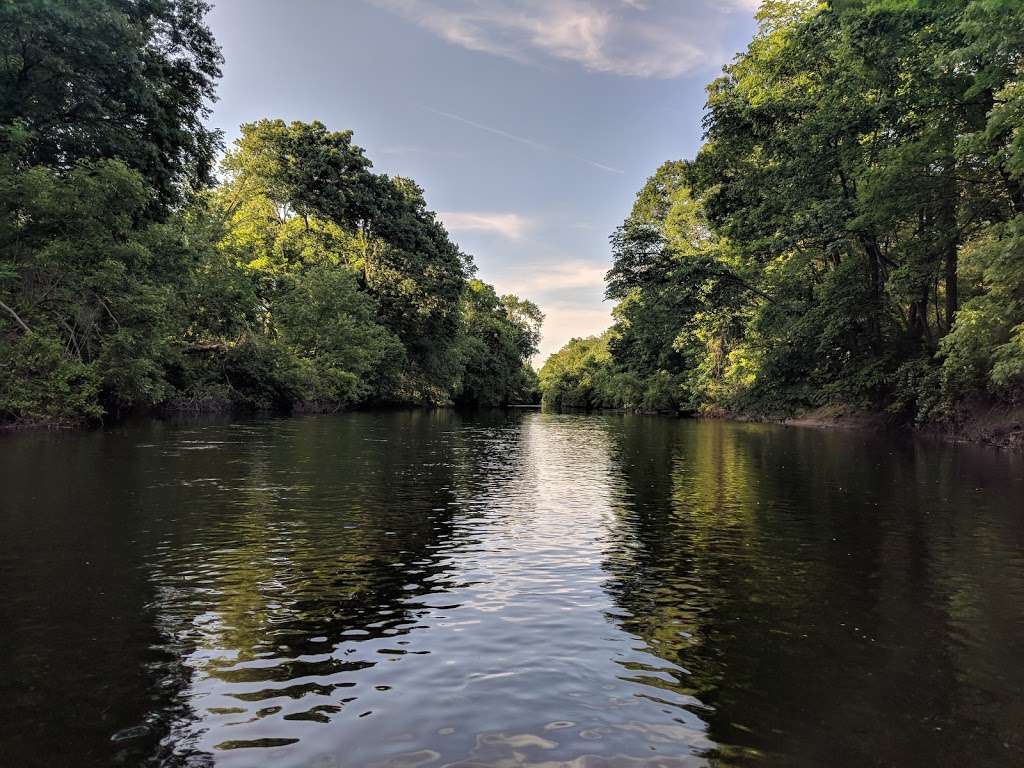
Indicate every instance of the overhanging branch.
{"type": "Point", "coordinates": [17, 319]}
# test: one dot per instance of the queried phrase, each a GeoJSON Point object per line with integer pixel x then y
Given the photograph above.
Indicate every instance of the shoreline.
{"type": "Point", "coordinates": [994, 425]}
{"type": "Point", "coordinates": [998, 426]}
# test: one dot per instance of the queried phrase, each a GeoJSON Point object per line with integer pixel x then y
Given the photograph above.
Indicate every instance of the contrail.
{"type": "Point", "coordinates": [522, 140]}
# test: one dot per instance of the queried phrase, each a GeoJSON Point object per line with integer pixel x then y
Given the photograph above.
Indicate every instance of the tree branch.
{"type": "Point", "coordinates": [17, 319]}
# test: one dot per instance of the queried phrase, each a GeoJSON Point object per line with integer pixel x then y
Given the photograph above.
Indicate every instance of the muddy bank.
{"type": "Point", "coordinates": [999, 425]}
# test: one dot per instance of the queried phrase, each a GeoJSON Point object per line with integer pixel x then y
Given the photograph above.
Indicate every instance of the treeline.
{"type": "Point", "coordinates": [132, 275]}
{"type": "Point", "coordinates": [851, 232]}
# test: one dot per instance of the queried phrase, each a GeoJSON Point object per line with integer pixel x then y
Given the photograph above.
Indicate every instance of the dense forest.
{"type": "Point", "coordinates": [851, 232]}
{"type": "Point", "coordinates": [141, 267]}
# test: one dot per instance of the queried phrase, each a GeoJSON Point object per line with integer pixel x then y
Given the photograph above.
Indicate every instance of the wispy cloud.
{"type": "Point", "coordinates": [489, 129]}
{"type": "Point", "coordinates": [636, 38]}
{"type": "Point", "coordinates": [510, 225]}
{"type": "Point", "coordinates": [569, 293]}
{"type": "Point", "coordinates": [567, 321]}
{"type": "Point", "coordinates": [539, 279]}
{"type": "Point", "coordinates": [522, 140]}
{"type": "Point", "coordinates": [402, 150]}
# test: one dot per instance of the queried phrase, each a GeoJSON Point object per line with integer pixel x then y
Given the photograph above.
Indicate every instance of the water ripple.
{"type": "Point", "coordinates": [419, 589]}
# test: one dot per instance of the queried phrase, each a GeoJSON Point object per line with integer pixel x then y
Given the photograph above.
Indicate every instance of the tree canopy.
{"type": "Point", "coordinates": [112, 79]}
{"type": "Point", "coordinates": [850, 230]}
{"type": "Point", "coordinates": [130, 279]}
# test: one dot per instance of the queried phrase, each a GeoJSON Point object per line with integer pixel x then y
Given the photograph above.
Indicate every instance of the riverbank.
{"type": "Point", "coordinates": [842, 417]}
{"type": "Point", "coordinates": [222, 410]}
{"type": "Point", "coordinates": [994, 424]}
{"type": "Point", "coordinates": [998, 425]}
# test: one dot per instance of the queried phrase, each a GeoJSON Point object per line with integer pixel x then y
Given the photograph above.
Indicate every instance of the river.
{"type": "Point", "coordinates": [432, 589]}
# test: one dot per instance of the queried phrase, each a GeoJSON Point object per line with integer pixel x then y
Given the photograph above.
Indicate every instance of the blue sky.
{"type": "Point", "coordinates": [531, 124]}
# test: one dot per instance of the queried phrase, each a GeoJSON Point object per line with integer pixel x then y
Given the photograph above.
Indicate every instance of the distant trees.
{"type": "Point", "coordinates": [577, 375]}
{"type": "Point", "coordinates": [500, 335]}
{"type": "Point", "coordinates": [850, 230]}
{"type": "Point", "coordinates": [128, 279]}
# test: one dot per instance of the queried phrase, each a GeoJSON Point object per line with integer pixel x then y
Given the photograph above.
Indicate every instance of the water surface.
{"type": "Point", "coordinates": [429, 589]}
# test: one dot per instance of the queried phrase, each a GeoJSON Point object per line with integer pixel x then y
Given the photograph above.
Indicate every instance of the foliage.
{"type": "Point", "coordinates": [985, 350]}
{"type": "Point", "coordinates": [40, 384]}
{"type": "Point", "coordinates": [87, 278]}
{"type": "Point", "coordinates": [577, 375]}
{"type": "Point", "coordinates": [499, 335]}
{"type": "Point", "coordinates": [127, 281]}
{"type": "Point", "coordinates": [298, 195]}
{"type": "Point", "coordinates": [849, 233]}
{"type": "Point", "coordinates": [331, 325]}
{"type": "Point", "coordinates": [106, 79]}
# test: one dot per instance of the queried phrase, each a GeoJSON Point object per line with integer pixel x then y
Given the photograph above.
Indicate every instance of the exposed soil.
{"type": "Point", "coordinates": [842, 417]}
{"type": "Point", "coordinates": [998, 425]}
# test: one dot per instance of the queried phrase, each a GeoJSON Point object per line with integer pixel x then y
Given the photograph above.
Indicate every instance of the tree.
{"type": "Point", "coordinates": [298, 194]}
{"type": "Point", "coordinates": [577, 376]}
{"type": "Point", "coordinates": [304, 279]}
{"type": "Point", "coordinates": [106, 79]}
{"type": "Point", "coordinates": [849, 232]}
{"type": "Point", "coordinates": [499, 336]}
{"type": "Point", "coordinates": [84, 279]}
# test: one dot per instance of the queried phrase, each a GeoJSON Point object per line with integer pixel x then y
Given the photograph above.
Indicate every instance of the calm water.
{"type": "Point", "coordinates": [427, 589]}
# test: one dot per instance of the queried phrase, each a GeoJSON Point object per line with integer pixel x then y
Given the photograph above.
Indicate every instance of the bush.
{"type": "Point", "coordinates": [39, 383]}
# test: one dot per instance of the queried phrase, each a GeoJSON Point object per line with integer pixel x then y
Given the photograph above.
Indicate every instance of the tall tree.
{"type": "Point", "coordinates": [850, 230]}
{"type": "Point", "coordinates": [102, 79]}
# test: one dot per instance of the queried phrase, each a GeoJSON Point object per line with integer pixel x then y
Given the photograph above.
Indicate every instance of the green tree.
{"type": "Point", "coordinates": [302, 280]}
{"type": "Point", "coordinates": [500, 334]}
{"type": "Point", "coordinates": [79, 275]}
{"type": "Point", "coordinates": [332, 326]}
{"type": "Point", "coordinates": [298, 194]}
{"type": "Point", "coordinates": [577, 376]}
{"type": "Point", "coordinates": [849, 232]}
{"type": "Point", "coordinates": [112, 79]}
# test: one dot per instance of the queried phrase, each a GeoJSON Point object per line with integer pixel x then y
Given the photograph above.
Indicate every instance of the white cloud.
{"type": "Point", "coordinates": [510, 225]}
{"type": "Point", "coordinates": [563, 322]}
{"type": "Point", "coordinates": [539, 279]}
{"type": "Point", "coordinates": [637, 38]}
{"type": "Point", "coordinates": [569, 293]}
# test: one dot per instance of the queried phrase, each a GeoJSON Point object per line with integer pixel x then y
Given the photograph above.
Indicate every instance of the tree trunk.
{"type": "Point", "coordinates": [874, 256]}
{"type": "Point", "coordinates": [17, 319]}
{"type": "Point", "coordinates": [949, 234]}
{"type": "Point", "coordinates": [952, 291]}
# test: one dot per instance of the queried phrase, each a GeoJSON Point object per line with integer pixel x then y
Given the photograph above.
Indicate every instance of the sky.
{"type": "Point", "coordinates": [531, 124]}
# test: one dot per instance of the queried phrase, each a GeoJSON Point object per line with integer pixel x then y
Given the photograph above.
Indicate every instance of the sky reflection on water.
{"type": "Point", "coordinates": [429, 589]}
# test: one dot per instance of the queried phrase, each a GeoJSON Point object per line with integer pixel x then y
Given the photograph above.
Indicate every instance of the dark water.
{"type": "Point", "coordinates": [425, 589]}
